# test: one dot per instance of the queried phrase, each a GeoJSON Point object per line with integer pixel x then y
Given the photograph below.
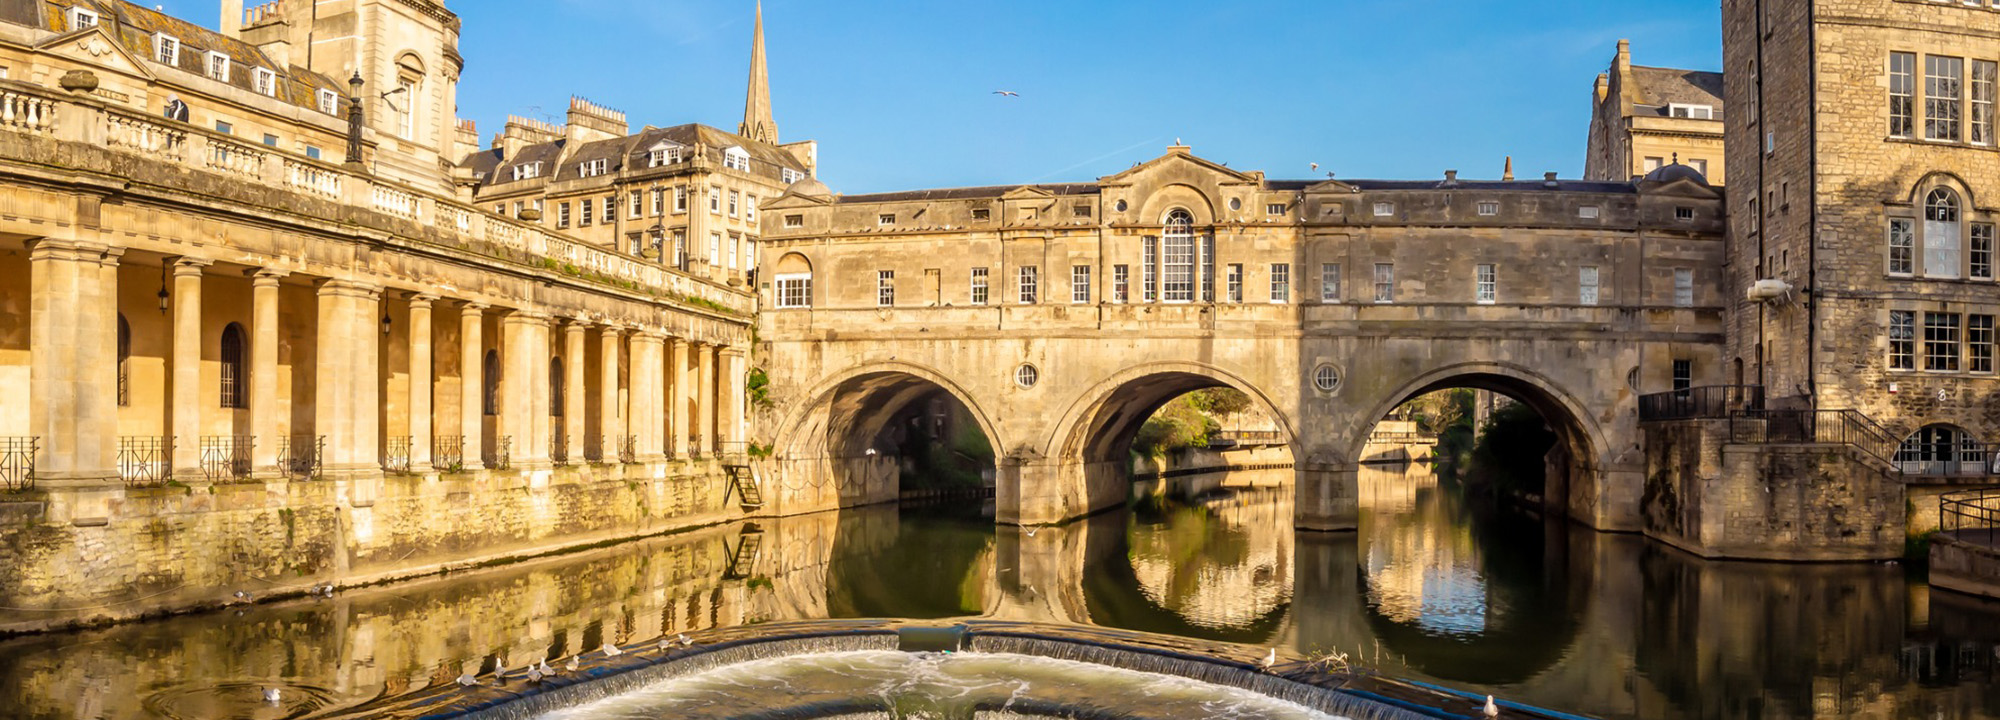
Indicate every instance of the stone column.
{"type": "Point", "coordinates": [73, 360]}
{"type": "Point", "coordinates": [420, 382]}
{"type": "Point", "coordinates": [705, 408]}
{"type": "Point", "coordinates": [346, 408]}
{"type": "Point", "coordinates": [735, 378]}
{"type": "Point", "coordinates": [646, 395]}
{"type": "Point", "coordinates": [472, 384]}
{"type": "Point", "coordinates": [610, 423]}
{"type": "Point", "coordinates": [677, 395]}
{"type": "Point", "coordinates": [185, 405]}
{"type": "Point", "coordinates": [524, 408]}
{"type": "Point", "coordinates": [265, 420]}
{"type": "Point", "coordinates": [573, 389]}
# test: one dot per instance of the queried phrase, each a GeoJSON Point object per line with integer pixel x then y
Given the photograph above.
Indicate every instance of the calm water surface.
{"type": "Point", "coordinates": [1431, 588]}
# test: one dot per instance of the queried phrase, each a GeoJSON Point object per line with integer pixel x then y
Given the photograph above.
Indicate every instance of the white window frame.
{"type": "Point", "coordinates": [1277, 208]}
{"type": "Point", "coordinates": [1902, 247]}
{"type": "Point", "coordinates": [215, 71]}
{"type": "Point", "coordinates": [1079, 284]}
{"type": "Point", "coordinates": [1944, 95]}
{"type": "Point", "coordinates": [714, 247]}
{"type": "Point", "coordinates": [1329, 282]}
{"type": "Point", "coordinates": [885, 288]}
{"type": "Point", "coordinates": [735, 158]}
{"type": "Point", "coordinates": [593, 168]}
{"type": "Point", "coordinates": [166, 49]}
{"type": "Point", "coordinates": [795, 221]}
{"type": "Point", "coordinates": [528, 171]}
{"type": "Point", "coordinates": [978, 292]}
{"type": "Point", "coordinates": [265, 81]}
{"type": "Point", "coordinates": [731, 250]}
{"type": "Point", "coordinates": [1232, 282]}
{"type": "Point", "coordinates": [1489, 208]}
{"type": "Point", "coordinates": [1902, 94]}
{"type": "Point", "coordinates": [790, 176]}
{"type": "Point", "coordinates": [329, 102]}
{"type": "Point", "coordinates": [1121, 283]}
{"type": "Point", "coordinates": [793, 290]}
{"type": "Point", "coordinates": [1029, 282]}
{"type": "Point", "coordinates": [77, 16]}
{"type": "Point", "coordinates": [1587, 285]}
{"type": "Point", "coordinates": [885, 219]}
{"type": "Point", "coordinates": [1587, 212]}
{"type": "Point", "coordinates": [680, 199]}
{"type": "Point", "coordinates": [1385, 283]}
{"type": "Point", "coordinates": [1281, 283]}
{"type": "Point", "coordinates": [735, 200]}
{"type": "Point", "coordinates": [714, 200]}
{"type": "Point", "coordinates": [750, 208]}
{"type": "Point", "coordinates": [1385, 209]}
{"type": "Point", "coordinates": [1691, 111]}
{"type": "Point", "coordinates": [1486, 283]}
{"type": "Point", "coordinates": [1683, 287]}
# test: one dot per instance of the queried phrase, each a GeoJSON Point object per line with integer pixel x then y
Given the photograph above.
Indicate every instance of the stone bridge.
{"type": "Point", "coordinates": [1062, 316]}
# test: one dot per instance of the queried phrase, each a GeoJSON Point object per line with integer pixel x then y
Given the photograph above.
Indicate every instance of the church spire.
{"type": "Point", "coordinates": [757, 123]}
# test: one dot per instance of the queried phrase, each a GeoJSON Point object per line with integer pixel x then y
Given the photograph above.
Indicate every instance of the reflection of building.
{"type": "Point", "coordinates": [1421, 567]}
{"type": "Point", "coordinates": [1240, 573]}
{"type": "Point", "coordinates": [1646, 118]}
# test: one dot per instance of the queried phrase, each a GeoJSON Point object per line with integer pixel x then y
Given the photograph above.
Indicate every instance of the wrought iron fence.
{"type": "Point", "coordinates": [448, 453]}
{"type": "Point", "coordinates": [628, 449]}
{"type": "Point", "coordinates": [1713, 401]}
{"type": "Point", "coordinates": [559, 448]}
{"type": "Point", "coordinates": [1961, 459]}
{"type": "Point", "coordinates": [1837, 427]}
{"type": "Point", "coordinates": [501, 455]}
{"type": "Point", "coordinates": [226, 457]}
{"type": "Point", "coordinates": [396, 455]}
{"type": "Point", "coordinates": [302, 457]}
{"type": "Point", "coordinates": [146, 461]}
{"type": "Point", "coordinates": [17, 462]}
{"type": "Point", "coordinates": [1969, 510]}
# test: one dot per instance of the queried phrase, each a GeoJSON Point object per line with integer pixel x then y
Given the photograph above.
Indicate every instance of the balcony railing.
{"type": "Point", "coordinates": [1707, 402]}
{"type": "Point", "coordinates": [17, 462]}
{"type": "Point", "coordinates": [1830, 427]}
{"type": "Point", "coordinates": [226, 458]}
{"type": "Point", "coordinates": [501, 455]}
{"type": "Point", "coordinates": [146, 461]}
{"type": "Point", "coordinates": [92, 121]}
{"type": "Point", "coordinates": [1964, 459]}
{"type": "Point", "coordinates": [396, 455]}
{"type": "Point", "coordinates": [448, 453]}
{"type": "Point", "coordinates": [301, 457]}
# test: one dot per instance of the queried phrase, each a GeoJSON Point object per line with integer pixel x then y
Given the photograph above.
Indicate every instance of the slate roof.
{"type": "Point", "coordinates": [630, 152]}
{"type": "Point", "coordinates": [134, 27]}
{"type": "Point", "coordinates": [995, 191]}
{"type": "Point", "coordinates": [1656, 88]}
{"type": "Point", "coordinates": [969, 193]}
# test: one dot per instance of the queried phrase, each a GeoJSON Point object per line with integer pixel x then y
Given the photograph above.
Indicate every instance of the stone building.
{"type": "Point", "coordinates": [244, 338]}
{"type": "Point", "coordinates": [1645, 118]}
{"type": "Point", "coordinates": [684, 196]}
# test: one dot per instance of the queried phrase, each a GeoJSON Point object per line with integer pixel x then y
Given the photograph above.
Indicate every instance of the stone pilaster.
{"type": "Point", "coordinates": [266, 415]}
{"type": "Point", "coordinates": [186, 403]}
{"type": "Point", "coordinates": [346, 408]}
{"type": "Point", "coordinates": [736, 370]}
{"type": "Point", "coordinates": [420, 383]}
{"type": "Point", "coordinates": [677, 397]}
{"type": "Point", "coordinates": [472, 383]}
{"type": "Point", "coordinates": [610, 417]}
{"type": "Point", "coordinates": [573, 388]}
{"type": "Point", "coordinates": [73, 360]}
{"type": "Point", "coordinates": [705, 407]}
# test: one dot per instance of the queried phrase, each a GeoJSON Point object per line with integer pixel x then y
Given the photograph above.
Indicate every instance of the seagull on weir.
{"type": "Point", "coordinates": [571, 667]}
{"type": "Point", "coordinates": [1006, 93]}
{"type": "Point", "coordinates": [1270, 659]}
{"type": "Point", "coordinates": [611, 650]}
{"type": "Point", "coordinates": [544, 668]}
{"type": "Point", "coordinates": [1492, 709]}
{"type": "Point", "coordinates": [467, 680]}
{"type": "Point", "coordinates": [684, 640]}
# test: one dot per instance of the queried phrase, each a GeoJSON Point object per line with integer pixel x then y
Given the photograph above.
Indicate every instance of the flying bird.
{"type": "Point", "coordinates": [1315, 166]}
{"type": "Point", "coordinates": [1006, 93]}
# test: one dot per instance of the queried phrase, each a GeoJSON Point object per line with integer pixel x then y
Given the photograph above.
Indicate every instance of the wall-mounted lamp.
{"type": "Point", "coordinates": [163, 287]}
{"type": "Point", "coordinates": [386, 322]}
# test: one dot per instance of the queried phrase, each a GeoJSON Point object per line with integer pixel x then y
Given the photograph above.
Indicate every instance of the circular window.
{"type": "Point", "coordinates": [1236, 203]}
{"type": "Point", "coordinates": [1121, 206]}
{"type": "Point", "coordinates": [1326, 378]}
{"type": "Point", "coordinates": [1026, 376]}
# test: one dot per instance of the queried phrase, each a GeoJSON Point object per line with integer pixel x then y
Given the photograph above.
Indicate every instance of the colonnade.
{"type": "Point", "coordinates": [340, 377]}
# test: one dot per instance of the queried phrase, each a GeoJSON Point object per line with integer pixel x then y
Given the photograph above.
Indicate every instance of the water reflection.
{"type": "Point", "coordinates": [1432, 587]}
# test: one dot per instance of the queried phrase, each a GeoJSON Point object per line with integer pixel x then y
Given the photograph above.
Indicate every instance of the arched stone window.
{"type": "Point", "coordinates": [1942, 234]}
{"type": "Point", "coordinates": [556, 387]}
{"type": "Point", "coordinates": [491, 393]}
{"type": "Point", "coordinates": [406, 102]}
{"type": "Point", "coordinates": [1177, 259]}
{"type": "Point", "coordinates": [124, 361]}
{"type": "Point", "coordinates": [794, 281]}
{"type": "Point", "coordinates": [1941, 450]}
{"type": "Point", "coordinates": [235, 368]}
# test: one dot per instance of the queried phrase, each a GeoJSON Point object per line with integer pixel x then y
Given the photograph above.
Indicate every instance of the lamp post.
{"type": "Point", "coordinates": [354, 119]}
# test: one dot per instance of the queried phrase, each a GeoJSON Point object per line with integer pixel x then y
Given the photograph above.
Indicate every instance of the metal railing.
{"type": "Point", "coordinates": [501, 455]}
{"type": "Point", "coordinates": [396, 454]}
{"type": "Point", "coordinates": [628, 449]}
{"type": "Point", "coordinates": [226, 457]}
{"type": "Point", "coordinates": [448, 453]}
{"type": "Point", "coordinates": [146, 461]}
{"type": "Point", "coordinates": [1962, 459]}
{"type": "Point", "coordinates": [17, 462]}
{"type": "Point", "coordinates": [694, 446]}
{"type": "Point", "coordinates": [1708, 402]}
{"type": "Point", "coordinates": [559, 448]}
{"type": "Point", "coordinates": [1835, 427]}
{"type": "Point", "coordinates": [1392, 438]}
{"type": "Point", "coordinates": [1245, 437]}
{"type": "Point", "coordinates": [302, 457]}
{"type": "Point", "coordinates": [1969, 510]}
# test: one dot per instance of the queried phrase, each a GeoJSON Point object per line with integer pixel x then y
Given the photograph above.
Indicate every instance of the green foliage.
{"type": "Point", "coordinates": [1223, 401]}
{"type": "Point", "coordinates": [761, 581]}
{"type": "Point", "coordinates": [1178, 425]}
{"type": "Point", "coordinates": [760, 451]}
{"type": "Point", "coordinates": [1440, 411]}
{"type": "Point", "coordinates": [759, 385]}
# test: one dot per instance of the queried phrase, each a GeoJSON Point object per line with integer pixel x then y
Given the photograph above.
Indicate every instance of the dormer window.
{"type": "Point", "coordinates": [329, 102]}
{"type": "Point", "coordinates": [736, 159]}
{"type": "Point", "coordinates": [886, 219]}
{"type": "Point", "coordinates": [266, 82]}
{"type": "Point", "coordinates": [791, 176]}
{"type": "Point", "coordinates": [1692, 112]}
{"type": "Point", "coordinates": [167, 49]}
{"type": "Point", "coordinates": [666, 154]}
{"type": "Point", "coordinates": [218, 66]}
{"type": "Point", "coordinates": [594, 168]}
{"type": "Point", "coordinates": [80, 18]}
{"type": "Point", "coordinates": [527, 171]}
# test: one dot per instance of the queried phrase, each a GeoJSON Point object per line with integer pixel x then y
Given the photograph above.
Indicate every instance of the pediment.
{"type": "Point", "coordinates": [794, 200]}
{"type": "Point", "coordinates": [1179, 162]}
{"type": "Point", "coordinates": [1681, 187]}
{"type": "Point", "coordinates": [94, 46]}
{"type": "Point", "coordinates": [1027, 192]}
{"type": "Point", "coordinates": [1331, 186]}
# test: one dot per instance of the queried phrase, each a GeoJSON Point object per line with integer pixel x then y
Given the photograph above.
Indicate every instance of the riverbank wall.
{"type": "Point", "coordinates": [74, 557]}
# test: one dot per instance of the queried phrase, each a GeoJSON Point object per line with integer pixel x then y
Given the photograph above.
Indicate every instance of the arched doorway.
{"type": "Point", "coordinates": [1942, 450]}
{"type": "Point", "coordinates": [877, 433]}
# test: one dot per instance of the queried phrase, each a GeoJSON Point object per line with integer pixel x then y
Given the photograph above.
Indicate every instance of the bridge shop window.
{"type": "Point", "coordinates": [1121, 283]}
{"type": "Point", "coordinates": [885, 288]}
{"type": "Point", "coordinates": [1030, 282]}
{"type": "Point", "coordinates": [1943, 80]}
{"type": "Point", "coordinates": [794, 281]}
{"type": "Point", "coordinates": [979, 287]}
{"type": "Point", "coordinates": [1383, 209]}
{"type": "Point", "coordinates": [1233, 282]}
{"type": "Point", "coordinates": [1491, 207]}
{"type": "Point", "coordinates": [1586, 285]}
{"type": "Point", "coordinates": [1329, 282]}
{"type": "Point", "coordinates": [1149, 263]}
{"type": "Point", "coordinates": [1902, 340]}
{"type": "Point", "coordinates": [1979, 343]}
{"type": "Point", "coordinates": [1486, 284]}
{"type": "Point", "coordinates": [1079, 284]}
{"type": "Point", "coordinates": [1281, 282]}
{"type": "Point", "coordinates": [1902, 93]}
{"type": "Point", "coordinates": [1177, 250]}
{"type": "Point", "coordinates": [1941, 342]}
{"type": "Point", "coordinates": [1385, 282]}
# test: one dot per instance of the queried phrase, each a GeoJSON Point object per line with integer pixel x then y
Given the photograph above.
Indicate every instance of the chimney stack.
{"type": "Point", "coordinates": [590, 122]}
{"type": "Point", "coordinates": [1508, 173]}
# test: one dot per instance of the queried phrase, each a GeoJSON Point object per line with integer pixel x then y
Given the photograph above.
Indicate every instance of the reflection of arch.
{"type": "Point", "coordinates": [235, 379]}
{"type": "Point", "coordinates": [857, 402]}
{"type": "Point", "coordinates": [1556, 405]}
{"type": "Point", "coordinates": [1100, 424]}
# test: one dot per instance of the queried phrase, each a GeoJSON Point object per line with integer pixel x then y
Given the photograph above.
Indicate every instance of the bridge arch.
{"type": "Point", "coordinates": [825, 449]}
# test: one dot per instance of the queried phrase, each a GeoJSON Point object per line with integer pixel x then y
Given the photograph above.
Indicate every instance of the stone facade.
{"type": "Point", "coordinates": [1061, 316]}
{"type": "Point", "coordinates": [1646, 118]}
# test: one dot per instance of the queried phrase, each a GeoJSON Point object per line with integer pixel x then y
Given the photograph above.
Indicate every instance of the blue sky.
{"type": "Point", "coordinates": [898, 93]}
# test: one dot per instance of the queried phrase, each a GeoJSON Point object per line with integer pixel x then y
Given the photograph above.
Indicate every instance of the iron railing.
{"type": "Point", "coordinates": [146, 461]}
{"type": "Point", "coordinates": [302, 457]}
{"type": "Point", "coordinates": [396, 455]}
{"type": "Point", "coordinates": [1961, 459]}
{"type": "Point", "coordinates": [501, 455]}
{"type": "Point", "coordinates": [628, 449]}
{"type": "Point", "coordinates": [1969, 510]}
{"type": "Point", "coordinates": [694, 446]}
{"type": "Point", "coordinates": [559, 448]}
{"type": "Point", "coordinates": [1709, 402]}
{"type": "Point", "coordinates": [1245, 437]}
{"type": "Point", "coordinates": [1835, 427]}
{"type": "Point", "coordinates": [448, 453]}
{"type": "Point", "coordinates": [17, 462]}
{"type": "Point", "coordinates": [226, 457]}
{"type": "Point", "coordinates": [1392, 438]}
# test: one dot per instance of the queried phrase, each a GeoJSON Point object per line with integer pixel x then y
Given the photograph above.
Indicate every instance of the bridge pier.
{"type": "Point", "coordinates": [1048, 492]}
{"type": "Point", "coordinates": [1326, 498]}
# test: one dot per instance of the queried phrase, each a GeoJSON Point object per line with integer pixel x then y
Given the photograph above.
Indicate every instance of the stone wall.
{"type": "Point", "coordinates": [1968, 567]}
{"type": "Point", "coordinates": [81, 556]}
{"type": "Point", "coordinates": [1772, 502]}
